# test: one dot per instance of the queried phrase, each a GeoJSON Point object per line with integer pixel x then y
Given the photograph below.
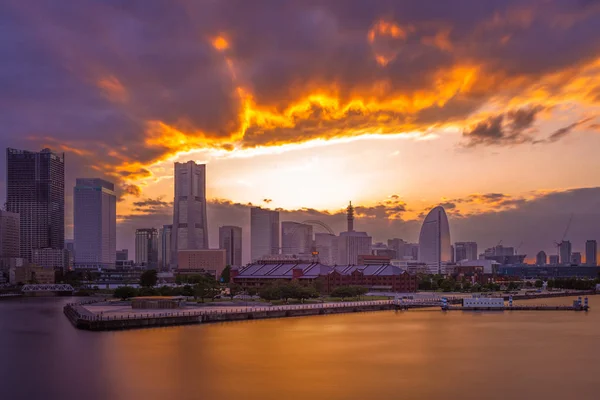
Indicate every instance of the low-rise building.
{"type": "Point", "coordinates": [31, 274]}
{"type": "Point", "coordinates": [210, 261]}
{"type": "Point", "coordinates": [382, 277]}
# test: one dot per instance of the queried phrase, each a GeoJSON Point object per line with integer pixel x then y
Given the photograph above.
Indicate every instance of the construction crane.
{"type": "Point", "coordinates": [518, 247]}
{"type": "Point", "coordinates": [558, 244]}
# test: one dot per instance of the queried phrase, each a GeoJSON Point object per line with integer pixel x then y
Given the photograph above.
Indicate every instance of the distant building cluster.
{"type": "Point", "coordinates": [33, 245]}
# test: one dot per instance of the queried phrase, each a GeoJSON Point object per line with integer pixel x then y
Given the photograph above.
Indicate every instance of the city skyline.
{"type": "Point", "coordinates": [378, 104]}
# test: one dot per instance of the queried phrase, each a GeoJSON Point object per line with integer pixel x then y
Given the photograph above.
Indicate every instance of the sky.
{"type": "Point", "coordinates": [489, 108]}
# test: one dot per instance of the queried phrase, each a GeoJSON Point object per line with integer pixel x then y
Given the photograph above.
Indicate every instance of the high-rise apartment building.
{"type": "Point", "coordinates": [95, 223]}
{"type": "Point", "coordinates": [399, 247]}
{"type": "Point", "coordinates": [164, 246]}
{"type": "Point", "coordinates": [591, 253]}
{"type": "Point", "coordinates": [264, 233]}
{"type": "Point", "coordinates": [35, 189]}
{"type": "Point", "coordinates": [146, 247]}
{"type": "Point", "coordinates": [465, 251]}
{"type": "Point", "coordinates": [576, 258]}
{"type": "Point", "coordinates": [564, 251]}
{"type": "Point", "coordinates": [9, 235]}
{"type": "Point", "coordinates": [296, 238]}
{"type": "Point", "coordinates": [553, 260]}
{"type": "Point", "coordinates": [190, 228]}
{"type": "Point", "coordinates": [230, 239]}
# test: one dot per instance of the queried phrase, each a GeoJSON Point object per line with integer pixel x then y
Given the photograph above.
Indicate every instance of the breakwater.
{"type": "Point", "coordinates": [82, 318]}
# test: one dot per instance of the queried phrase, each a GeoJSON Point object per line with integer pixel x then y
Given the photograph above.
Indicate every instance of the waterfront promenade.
{"type": "Point", "coordinates": [99, 316]}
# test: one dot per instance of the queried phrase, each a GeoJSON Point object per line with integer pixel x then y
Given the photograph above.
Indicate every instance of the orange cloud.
{"type": "Point", "coordinates": [113, 89]}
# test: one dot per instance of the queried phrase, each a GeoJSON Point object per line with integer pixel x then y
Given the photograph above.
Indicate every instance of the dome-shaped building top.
{"type": "Point", "coordinates": [434, 239]}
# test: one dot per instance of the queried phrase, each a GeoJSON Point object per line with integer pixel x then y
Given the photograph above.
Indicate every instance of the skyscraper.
{"type": "Point", "coordinates": [540, 258]}
{"type": "Point", "coordinates": [35, 188]}
{"type": "Point", "coordinates": [95, 223]}
{"type": "Point", "coordinates": [434, 239]}
{"type": "Point", "coordinates": [553, 260]}
{"type": "Point", "coordinates": [230, 239]}
{"type": "Point", "coordinates": [352, 244]}
{"type": "Point", "coordinates": [10, 246]}
{"type": "Point", "coordinates": [465, 251]}
{"type": "Point", "coordinates": [591, 253]}
{"type": "Point", "coordinates": [576, 258]}
{"type": "Point", "coordinates": [146, 247]}
{"type": "Point", "coordinates": [264, 233]}
{"type": "Point", "coordinates": [190, 230]}
{"type": "Point", "coordinates": [164, 246]}
{"type": "Point", "coordinates": [296, 238]}
{"type": "Point", "coordinates": [565, 252]}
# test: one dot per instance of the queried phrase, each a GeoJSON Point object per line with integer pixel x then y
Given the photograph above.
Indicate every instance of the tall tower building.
{"type": "Point", "coordinates": [465, 251]}
{"type": "Point", "coordinates": [591, 253]}
{"type": "Point", "coordinates": [564, 250]}
{"type": "Point", "coordinates": [95, 223]}
{"type": "Point", "coordinates": [352, 244]}
{"type": "Point", "coordinates": [146, 247]}
{"type": "Point", "coordinates": [230, 239]}
{"type": "Point", "coordinates": [35, 189]}
{"type": "Point", "coordinates": [296, 238]}
{"type": "Point", "coordinates": [164, 246]}
{"type": "Point", "coordinates": [434, 239]}
{"type": "Point", "coordinates": [190, 230]}
{"type": "Point", "coordinates": [264, 233]}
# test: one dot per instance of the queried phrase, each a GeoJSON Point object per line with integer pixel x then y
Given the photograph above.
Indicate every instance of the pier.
{"type": "Point", "coordinates": [82, 318]}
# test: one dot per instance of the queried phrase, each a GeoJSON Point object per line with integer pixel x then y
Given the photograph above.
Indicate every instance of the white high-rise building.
{"type": "Point", "coordinates": [95, 223]}
{"type": "Point", "coordinates": [296, 238]}
{"type": "Point", "coordinates": [190, 230]}
{"type": "Point", "coordinates": [264, 233]}
{"type": "Point", "coordinates": [434, 239]}
{"type": "Point", "coordinates": [326, 245]}
{"type": "Point", "coordinates": [351, 244]}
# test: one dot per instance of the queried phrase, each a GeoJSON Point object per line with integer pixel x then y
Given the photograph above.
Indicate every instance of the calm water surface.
{"type": "Point", "coordinates": [380, 355]}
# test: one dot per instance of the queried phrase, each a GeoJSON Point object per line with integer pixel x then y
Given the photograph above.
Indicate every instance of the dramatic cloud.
{"type": "Point", "coordinates": [503, 129]}
{"type": "Point", "coordinates": [121, 86]}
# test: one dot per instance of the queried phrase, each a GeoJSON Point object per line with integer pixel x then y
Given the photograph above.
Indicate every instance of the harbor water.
{"type": "Point", "coordinates": [418, 354]}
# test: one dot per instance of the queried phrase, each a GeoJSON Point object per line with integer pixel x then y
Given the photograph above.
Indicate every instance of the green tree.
{"type": "Point", "coordinates": [187, 291]}
{"type": "Point", "coordinates": [148, 278]}
{"type": "Point", "coordinates": [270, 292]}
{"type": "Point", "coordinates": [125, 292]}
{"type": "Point", "coordinates": [539, 283]}
{"type": "Point", "coordinates": [165, 291]}
{"type": "Point", "coordinates": [226, 274]}
{"type": "Point", "coordinates": [206, 287]}
{"type": "Point", "coordinates": [343, 292]}
{"type": "Point", "coordinates": [235, 289]}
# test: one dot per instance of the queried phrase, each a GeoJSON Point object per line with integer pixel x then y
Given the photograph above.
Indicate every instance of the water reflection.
{"type": "Point", "coordinates": [383, 355]}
